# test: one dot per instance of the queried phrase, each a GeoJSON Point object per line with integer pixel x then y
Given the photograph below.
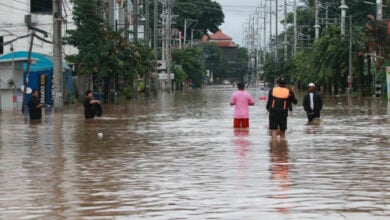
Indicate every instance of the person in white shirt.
{"type": "Point", "coordinates": [312, 103]}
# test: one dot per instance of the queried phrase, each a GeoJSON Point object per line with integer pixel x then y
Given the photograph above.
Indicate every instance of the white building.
{"type": "Point", "coordinates": [19, 17]}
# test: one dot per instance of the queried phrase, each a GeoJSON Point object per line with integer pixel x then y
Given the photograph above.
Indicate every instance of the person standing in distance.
{"type": "Point", "coordinates": [89, 103]}
{"type": "Point", "coordinates": [35, 106]}
{"type": "Point", "coordinates": [312, 103]}
{"type": "Point", "coordinates": [280, 99]}
{"type": "Point", "coordinates": [241, 99]}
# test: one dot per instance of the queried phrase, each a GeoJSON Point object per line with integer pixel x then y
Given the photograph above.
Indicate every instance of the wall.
{"type": "Point", "coordinates": [12, 25]}
{"type": "Point", "coordinates": [10, 98]}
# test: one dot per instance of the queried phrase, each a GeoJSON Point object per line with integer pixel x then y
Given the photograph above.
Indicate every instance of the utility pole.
{"type": "Point", "coordinates": [147, 40]}
{"type": "Point", "coordinates": [326, 14]}
{"type": "Point", "coordinates": [270, 25]}
{"type": "Point", "coordinates": [146, 25]}
{"type": "Point", "coordinates": [57, 55]}
{"type": "Point", "coordinates": [276, 29]}
{"type": "Point", "coordinates": [295, 27]}
{"type": "Point", "coordinates": [350, 56]}
{"type": "Point", "coordinates": [25, 80]}
{"type": "Point", "coordinates": [135, 39]}
{"type": "Point", "coordinates": [155, 29]}
{"type": "Point", "coordinates": [343, 8]}
{"type": "Point", "coordinates": [265, 33]}
{"type": "Point", "coordinates": [316, 26]}
{"type": "Point", "coordinates": [136, 19]}
{"type": "Point", "coordinates": [379, 6]}
{"type": "Point", "coordinates": [285, 30]}
{"type": "Point", "coordinates": [168, 44]}
{"type": "Point", "coordinates": [185, 32]}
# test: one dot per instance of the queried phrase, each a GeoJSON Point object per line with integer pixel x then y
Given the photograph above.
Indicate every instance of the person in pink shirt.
{"type": "Point", "coordinates": [241, 100]}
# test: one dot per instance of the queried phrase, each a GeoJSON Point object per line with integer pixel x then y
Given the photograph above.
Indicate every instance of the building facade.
{"type": "Point", "coordinates": [235, 71]}
{"type": "Point", "coordinates": [19, 18]}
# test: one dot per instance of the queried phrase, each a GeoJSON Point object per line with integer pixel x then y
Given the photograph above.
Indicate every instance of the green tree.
{"type": "Point", "coordinates": [209, 15]}
{"type": "Point", "coordinates": [102, 50]}
{"type": "Point", "coordinates": [326, 60]}
{"type": "Point", "coordinates": [190, 61]}
{"type": "Point", "coordinates": [87, 38]}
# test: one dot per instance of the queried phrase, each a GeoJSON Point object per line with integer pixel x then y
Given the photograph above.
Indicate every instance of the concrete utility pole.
{"type": "Point", "coordinates": [135, 39]}
{"type": "Point", "coordinates": [135, 19]}
{"type": "Point", "coordinates": [155, 29]}
{"type": "Point", "coordinates": [147, 40]}
{"type": "Point", "coordinates": [295, 27]}
{"type": "Point", "coordinates": [343, 8]}
{"type": "Point", "coordinates": [379, 6]}
{"type": "Point", "coordinates": [270, 24]}
{"type": "Point", "coordinates": [57, 55]}
{"type": "Point", "coordinates": [25, 80]}
{"type": "Point", "coordinates": [316, 26]}
{"type": "Point", "coordinates": [276, 29]}
{"type": "Point", "coordinates": [168, 44]}
{"type": "Point", "coordinates": [285, 30]}
{"type": "Point", "coordinates": [326, 14]}
{"type": "Point", "coordinates": [147, 21]}
{"type": "Point", "coordinates": [155, 38]}
{"type": "Point", "coordinates": [350, 56]}
{"type": "Point", "coordinates": [265, 33]}
{"type": "Point", "coordinates": [185, 32]}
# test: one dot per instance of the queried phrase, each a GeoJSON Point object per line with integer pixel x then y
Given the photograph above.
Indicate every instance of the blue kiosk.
{"type": "Point", "coordinates": [41, 76]}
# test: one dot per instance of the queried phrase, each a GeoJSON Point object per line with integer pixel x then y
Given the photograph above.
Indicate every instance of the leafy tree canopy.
{"type": "Point", "coordinates": [190, 61]}
{"type": "Point", "coordinates": [207, 13]}
{"type": "Point", "coordinates": [101, 49]}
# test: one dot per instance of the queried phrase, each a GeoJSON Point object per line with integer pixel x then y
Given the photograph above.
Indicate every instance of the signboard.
{"type": "Point", "coordinates": [161, 65]}
{"type": "Point", "coordinates": [164, 76]}
{"type": "Point", "coordinates": [44, 89]}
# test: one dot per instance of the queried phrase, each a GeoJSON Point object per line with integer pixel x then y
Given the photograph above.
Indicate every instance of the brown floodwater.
{"type": "Point", "coordinates": [176, 156]}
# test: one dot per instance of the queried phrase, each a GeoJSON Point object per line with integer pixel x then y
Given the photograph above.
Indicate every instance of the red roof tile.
{"type": "Point", "coordinates": [221, 39]}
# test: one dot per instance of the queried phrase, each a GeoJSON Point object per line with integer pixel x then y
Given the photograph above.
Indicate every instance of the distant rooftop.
{"type": "Point", "coordinates": [220, 38]}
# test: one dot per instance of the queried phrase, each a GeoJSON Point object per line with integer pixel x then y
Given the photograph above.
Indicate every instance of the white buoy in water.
{"type": "Point", "coordinates": [100, 135]}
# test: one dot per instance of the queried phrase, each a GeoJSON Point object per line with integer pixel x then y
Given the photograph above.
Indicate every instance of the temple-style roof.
{"type": "Point", "coordinates": [220, 38]}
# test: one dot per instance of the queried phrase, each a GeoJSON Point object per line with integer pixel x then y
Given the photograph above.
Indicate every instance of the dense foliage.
{"type": "Point", "coordinates": [325, 61]}
{"type": "Point", "coordinates": [102, 50]}
{"type": "Point", "coordinates": [190, 62]}
{"type": "Point", "coordinates": [207, 14]}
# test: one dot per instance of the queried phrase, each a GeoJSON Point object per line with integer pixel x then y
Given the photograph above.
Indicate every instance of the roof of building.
{"type": "Point", "coordinates": [40, 61]}
{"type": "Point", "coordinates": [220, 38]}
{"type": "Point", "coordinates": [219, 35]}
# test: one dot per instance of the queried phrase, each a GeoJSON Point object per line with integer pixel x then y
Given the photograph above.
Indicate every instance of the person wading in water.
{"type": "Point", "coordinates": [278, 104]}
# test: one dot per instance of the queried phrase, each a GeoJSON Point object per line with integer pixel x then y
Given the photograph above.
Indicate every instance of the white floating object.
{"type": "Point", "coordinates": [100, 135]}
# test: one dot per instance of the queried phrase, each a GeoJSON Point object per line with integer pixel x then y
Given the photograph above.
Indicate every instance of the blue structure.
{"type": "Point", "coordinates": [41, 76]}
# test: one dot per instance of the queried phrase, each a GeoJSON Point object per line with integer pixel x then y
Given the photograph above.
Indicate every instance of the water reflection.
{"type": "Point", "coordinates": [280, 172]}
{"type": "Point", "coordinates": [241, 141]}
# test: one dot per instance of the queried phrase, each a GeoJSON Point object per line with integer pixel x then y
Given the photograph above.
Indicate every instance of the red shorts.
{"type": "Point", "coordinates": [241, 123]}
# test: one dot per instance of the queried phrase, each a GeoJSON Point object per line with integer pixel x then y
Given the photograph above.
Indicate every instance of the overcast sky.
{"type": "Point", "coordinates": [237, 12]}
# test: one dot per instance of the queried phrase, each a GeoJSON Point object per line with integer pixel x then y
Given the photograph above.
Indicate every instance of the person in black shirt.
{"type": "Point", "coordinates": [89, 102]}
{"type": "Point", "coordinates": [312, 103]}
{"type": "Point", "coordinates": [34, 106]}
{"type": "Point", "coordinates": [280, 99]}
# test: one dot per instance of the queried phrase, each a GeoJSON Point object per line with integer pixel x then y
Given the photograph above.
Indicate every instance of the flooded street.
{"type": "Point", "coordinates": [176, 156]}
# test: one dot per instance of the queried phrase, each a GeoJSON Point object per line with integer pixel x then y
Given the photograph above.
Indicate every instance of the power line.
{"type": "Point", "coordinates": [14, 8]}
